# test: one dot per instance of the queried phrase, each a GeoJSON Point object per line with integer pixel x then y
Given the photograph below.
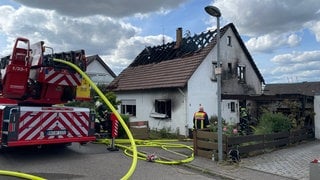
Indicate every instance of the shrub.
{"type": "Point", "coordinates": [121, 132]}
{"type": "Point", "coordinates": [272, 123]}
{"type": "Point", "coordinates": [230, 130]}
{"type": "Point", "coordinates": [227, 129]}
{"type": "Point", "coordinates": [164, 133]}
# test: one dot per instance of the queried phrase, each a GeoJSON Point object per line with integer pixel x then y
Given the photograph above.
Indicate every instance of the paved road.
{"type": "Point", "coordinates": [89, 162]}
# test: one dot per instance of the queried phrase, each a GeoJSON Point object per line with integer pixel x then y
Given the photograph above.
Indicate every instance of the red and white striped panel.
{"type": "Point", "coordinates": [34, 124]}
{"type": "Point", "coordinates": [62, 78]}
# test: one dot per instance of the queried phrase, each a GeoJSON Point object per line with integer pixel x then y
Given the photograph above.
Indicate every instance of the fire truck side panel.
{"type": "Point", "coordinates": [48, 125]}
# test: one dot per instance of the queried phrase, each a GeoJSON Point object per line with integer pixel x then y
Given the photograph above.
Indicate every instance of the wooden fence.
{"type": "Point", "coordinates": [140, 129]}
{"type": "Point", "coordinates": [205, 143]}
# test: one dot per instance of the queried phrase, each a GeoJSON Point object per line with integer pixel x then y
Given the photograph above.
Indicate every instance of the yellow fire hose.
{"type": "Point", "coordinates": [164, 144]}
{"type": "Point", "coordinates": [122, 122]}
{"type": "Point", "coordinates": [20, 175]}
{"type": "Point", "coordinates": [107, 102]}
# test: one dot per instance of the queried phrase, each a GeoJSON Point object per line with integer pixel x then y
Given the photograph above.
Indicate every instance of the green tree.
{"type": "Point", "coordinates": [111, 96]}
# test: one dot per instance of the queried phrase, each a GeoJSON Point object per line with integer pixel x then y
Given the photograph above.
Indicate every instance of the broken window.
{"type": "Point", "coordinates": [162, 108]}
{"type": "Point", "coordinates": [214, 73]}
{"type": "Point", "coordinates": [230, 68]}
{"type": "Point", "coordinates": [232, 106]}
{"type": "Point", "coordinates": [241, 73]}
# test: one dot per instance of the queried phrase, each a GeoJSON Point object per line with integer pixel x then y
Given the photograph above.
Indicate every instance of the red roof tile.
{"type": "Point", "coordinates": [166, 74]}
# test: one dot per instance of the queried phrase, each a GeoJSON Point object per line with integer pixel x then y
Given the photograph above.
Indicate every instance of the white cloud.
{"type": "Point", "coordinates": [104, 28]}
{"type": "Point", "coordinates": [259, 17]}
{"type": "Point", "coordinates": [111, 8]}
{"type": "Point", "coordinates": [315, 28]}
{"type": "Point", "coordinates": [297, 57]}
{"type": "Point", "coordinates": [127, 50]}
{"type": "Point", "coordinates": [295, 66]}
{"type": "Point", "coordinates": [269, 42]}
{"type": "Point", "coordinates": [273, 26]}
{"type": "Point", "coordinates": [91, 28]}
{"type": "Point", "coordinates": [96, 34]}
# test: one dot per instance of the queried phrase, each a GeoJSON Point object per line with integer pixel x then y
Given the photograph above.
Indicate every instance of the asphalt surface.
{"type": "Point", "coordinates": [94, 161]}
{"type": "Point", "coordinates": [88, 162]}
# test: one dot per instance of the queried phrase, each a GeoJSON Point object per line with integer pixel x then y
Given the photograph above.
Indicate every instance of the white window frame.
{"type": "Point", "coordinates": [128, 106]}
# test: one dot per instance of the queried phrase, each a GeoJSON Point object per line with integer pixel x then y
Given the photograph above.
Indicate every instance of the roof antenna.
{"type": "Point", "coordinates": [163, 39]}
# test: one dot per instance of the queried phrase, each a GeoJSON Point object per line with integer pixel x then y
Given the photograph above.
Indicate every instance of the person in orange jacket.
{"type": "Point", "coordinates": [200, 119]}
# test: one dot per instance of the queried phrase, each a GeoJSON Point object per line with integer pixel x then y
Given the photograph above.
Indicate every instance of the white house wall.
{"type": "Point", "coordinates": [317, 116]}
{"type": "Point", "coordinates": [202, 90]}
{"type": "Point", "coordinates": [145, 101]}
{"type": "Point", "coordinates": [229, 116]}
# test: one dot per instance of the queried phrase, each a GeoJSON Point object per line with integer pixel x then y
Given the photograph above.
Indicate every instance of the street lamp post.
{"type": "Point", "coordinates": [214, 11]}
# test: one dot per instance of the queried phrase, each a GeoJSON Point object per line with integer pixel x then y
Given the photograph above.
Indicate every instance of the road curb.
{"type": "Point", "coordinates": [207, 171]}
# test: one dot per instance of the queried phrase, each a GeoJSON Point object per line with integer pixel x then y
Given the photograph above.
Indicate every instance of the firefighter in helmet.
{"type": "Point", "coordinates": [200, 119]}
{"type": "Point", "coordinates": [102, 118]}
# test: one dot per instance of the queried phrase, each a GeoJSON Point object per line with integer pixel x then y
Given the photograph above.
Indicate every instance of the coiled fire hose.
{"type": "Point", "coordinates": [165, 144]}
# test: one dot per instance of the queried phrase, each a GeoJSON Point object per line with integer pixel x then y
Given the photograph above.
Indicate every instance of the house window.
{"type": "Point", "coordinates": [233, 107]}
{"type": "Point", "coordinates": [163, 107]}
{"type": "Point", "coordinates": [230, 68]}
{"type": "Point", "coordinates": [229, 41]}
{"type": "Point", "coordinates": [128, 107]}
{"type": "Point", "coordinates": [214, 73]}
{"type": "Point", "coordinates": [241, 73]}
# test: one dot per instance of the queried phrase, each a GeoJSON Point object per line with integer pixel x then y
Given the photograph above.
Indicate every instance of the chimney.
{"type": "Point", "coordinates": [178, 38]}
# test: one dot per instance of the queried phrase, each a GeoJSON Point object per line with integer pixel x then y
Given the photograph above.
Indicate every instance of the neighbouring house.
{"type": "Point", "coordinates": [302, 101]}
{"type": "Point", "coordinates": [98, 71]}
{"type": "Point", "coordinates": [165, 84]}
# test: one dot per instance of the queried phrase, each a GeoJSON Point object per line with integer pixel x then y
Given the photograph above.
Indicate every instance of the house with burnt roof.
{"type": "Point", "coordinates": [166, 84]}
{"type": "Point", "coordinates": [98, 71]}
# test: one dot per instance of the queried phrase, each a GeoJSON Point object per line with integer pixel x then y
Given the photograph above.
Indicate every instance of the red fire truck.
{"type": "Point", "coordinates": [33, 87]}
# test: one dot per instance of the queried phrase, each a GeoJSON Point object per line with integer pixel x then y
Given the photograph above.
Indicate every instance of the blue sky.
{"type": "Point", "coordinates": [282, 36]}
